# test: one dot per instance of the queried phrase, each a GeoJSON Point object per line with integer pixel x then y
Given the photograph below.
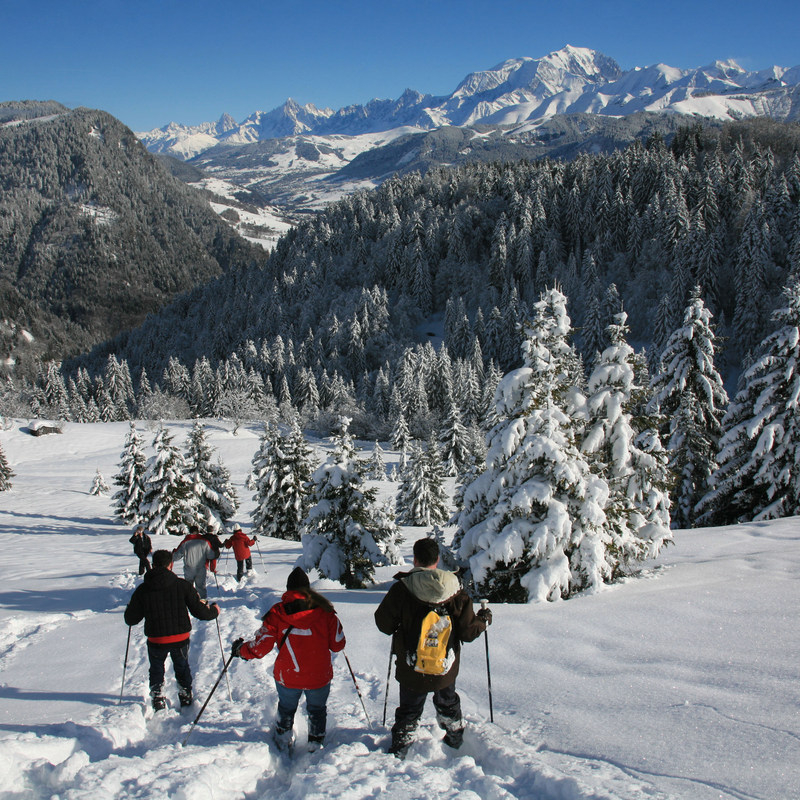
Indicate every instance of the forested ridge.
{"type": "Point", "coordinates": [641, 227]}
{"type": "Point", "coordinates": [94, 232]}
{"type": "Point", "coordinates": [404, 308]}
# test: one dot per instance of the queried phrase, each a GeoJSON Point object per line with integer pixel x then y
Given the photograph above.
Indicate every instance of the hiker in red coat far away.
{"type": "Point", "coordinates": [241, 545]}
{"type": "Point", "coordinates": [305, 629]}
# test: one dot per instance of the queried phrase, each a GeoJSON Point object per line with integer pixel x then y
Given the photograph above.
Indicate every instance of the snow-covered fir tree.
{"type": "Point", "coordinates": [346, 535]}
{"type": "Point", "coordinates": [758, 476]}
{"type": "Point", "coordinates": [447, 556]}
{"type": "Point", "coordinates": [688, 392]}
{"type": "Point", "coordinates": [455, 441]}
{"type": "Point", "coordinates": [421, 498]}
{"type": "Point", "coordinates": [216, 500]}
{"type": "Point", "coordinates": [6, 473]}
{"type": "Point", "coordinates": [626, 452]}
{"type": "Point", "coordinates": [99, 485]}
{"type": "Point", "coordinates": [401, 436]}
{"type": "Point", "coordinates": [282, 500]}
{"type": "Point", "coordinates": [376, 466]}
{"type": "Point", "coordinates": [130, 478]}
{"type": "Point", "coordinates": [167, 503]}
{"type": "Point", "coordinates": [532, 525]}
{"type": "Point", "coordinates": [261, 477]}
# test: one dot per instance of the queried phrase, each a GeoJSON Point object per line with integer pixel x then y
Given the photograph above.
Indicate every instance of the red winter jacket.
{"type": "Point", "coordinates": [240, 544]}
{"type": "Point", "coordinates": [304, 660]}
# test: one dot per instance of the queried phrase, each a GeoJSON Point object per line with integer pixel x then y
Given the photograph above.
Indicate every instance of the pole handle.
{"type": "Point", "coordinates": [484, 602]}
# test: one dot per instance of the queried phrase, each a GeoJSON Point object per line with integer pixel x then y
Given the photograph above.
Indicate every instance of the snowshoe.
{"type": "Point", "coordinates": [185, 697]}
{"type": "Point", "coordinates": [158, 699]}
{"type": "Point", "coordinates": [284, 739]}
{"type": "Point", "coordinates": [315, 743]}
{"type": "Point", "coordinates": [454, 731]}
{"type": "Point", "coordinates": [401, 741]}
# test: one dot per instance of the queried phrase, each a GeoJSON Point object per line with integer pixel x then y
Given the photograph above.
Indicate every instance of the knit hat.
{"type": "Point", "coordinates": [297, 579]}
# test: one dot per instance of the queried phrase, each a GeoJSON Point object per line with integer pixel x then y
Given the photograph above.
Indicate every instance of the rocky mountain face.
{"type": "Point", "coordinates": [300, 157]}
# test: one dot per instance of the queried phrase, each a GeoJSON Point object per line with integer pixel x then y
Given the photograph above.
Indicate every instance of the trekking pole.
{"type": "Point", "coordinates": [125, 666]}
{"type": "Point", "coordinates": [213, 689]}
{"type": "Point", "coordinates": [221, 648]}
{"type": "Point", "coordinates": [260, 557]}
{"type": "Point", "coordinates": [355, 683]}
{"type": "Point", "coordinates": [388, 678]}
{"type": "Point", "coordinates": [484, 603]}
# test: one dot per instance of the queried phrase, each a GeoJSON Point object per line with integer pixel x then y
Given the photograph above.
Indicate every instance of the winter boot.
{"type": "Point", "coordinates": [158, 699]}
{"type": "Point", "coordinates": [315, 743]}
{"type": "Point", "coordinates": [283, 738]}
{"type": "Point", "coordinates": [185, 696]}
{"type": "Point", "coordinates": [454, 731]}
{"type": "Point", "coordinates": [401, 740]}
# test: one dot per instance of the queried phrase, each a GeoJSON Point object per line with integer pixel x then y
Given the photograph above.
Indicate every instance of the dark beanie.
{"type": "Point", "coordinates": [297, 579]}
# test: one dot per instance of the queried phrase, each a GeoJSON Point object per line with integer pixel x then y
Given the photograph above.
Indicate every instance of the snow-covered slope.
{"type": "Point", "coordinates": [680, 684]}
{"type": "Point", "coordinates": [570, 80]}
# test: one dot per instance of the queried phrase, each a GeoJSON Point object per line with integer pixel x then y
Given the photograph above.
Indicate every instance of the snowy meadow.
{"type": "Point", "coordinates": [680, 682]}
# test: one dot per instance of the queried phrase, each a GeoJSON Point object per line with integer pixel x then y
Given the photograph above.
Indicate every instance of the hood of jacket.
{"type": "Point", "coordinates": [431, 585]}
{"type": "Point", "coordinates": [158, 578]}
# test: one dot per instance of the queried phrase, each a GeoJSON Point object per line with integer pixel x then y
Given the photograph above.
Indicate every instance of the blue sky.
{"type": "Point", "coordinates": [149, 63]}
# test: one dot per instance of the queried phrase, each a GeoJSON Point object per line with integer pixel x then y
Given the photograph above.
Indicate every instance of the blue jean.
{"type": "Point", "coordinates": [179, 653]}
{"type": "Point", "coordinates": [316, 706]}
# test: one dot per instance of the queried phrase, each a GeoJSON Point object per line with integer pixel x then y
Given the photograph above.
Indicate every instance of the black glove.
{"type": "Point", "coordinates": [486, 615]}
{"type": "Point", "coordinates": [236, 647]}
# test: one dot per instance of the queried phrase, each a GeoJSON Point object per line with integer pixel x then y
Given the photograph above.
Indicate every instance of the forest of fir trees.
{"type": "Point", "coordinates": [573, 490]}
{"type": "Point", "coordinates": [693, 242]}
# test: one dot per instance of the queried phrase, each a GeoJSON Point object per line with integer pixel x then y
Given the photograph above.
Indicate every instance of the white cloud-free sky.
{"type": "Point", "coordinates": [150, 62]}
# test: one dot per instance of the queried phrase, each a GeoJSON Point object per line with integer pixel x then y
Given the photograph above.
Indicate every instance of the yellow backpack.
{"type": "Point", "coordinates": [433, 657]}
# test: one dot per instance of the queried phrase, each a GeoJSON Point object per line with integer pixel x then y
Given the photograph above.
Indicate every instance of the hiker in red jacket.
{"type": "Point", "coordinates": [241, 545]}
{"type": "Point", "coordinates": [305, 629]}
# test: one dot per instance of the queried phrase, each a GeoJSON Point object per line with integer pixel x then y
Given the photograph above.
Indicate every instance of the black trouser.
{"type": "Point", "coordinates": [240, 566]}
{"type": "Point", "coordinates": [446, 702]}
{"type": "Point", "coordinates": [179, 652]}
{"type": "Point", "coordinates": [144, 565]}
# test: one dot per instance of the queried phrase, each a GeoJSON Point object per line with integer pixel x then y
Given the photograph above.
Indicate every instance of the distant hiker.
{"type": "Point", "coordinates": [241, 544]}
{"type": "Point", "coordinates": [165, 601]}
{"type": "Point", "coordinates": [428, 663]}
{"type": "Point", "coordinates": [142, 547]}
{"type": "Point", "coordinates": [305, 629]}
{"type": "Point", "coordinates": [196, 552]}
{"type": "Point", "coordinates": [216, 545]}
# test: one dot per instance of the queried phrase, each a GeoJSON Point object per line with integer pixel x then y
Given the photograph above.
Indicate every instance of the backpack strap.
{"type": "Point", "coordinates": [285, 635]}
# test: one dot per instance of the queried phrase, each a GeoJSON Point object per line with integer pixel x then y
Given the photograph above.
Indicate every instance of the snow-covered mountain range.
{"type": "Point", "coordinates": [518, 92]}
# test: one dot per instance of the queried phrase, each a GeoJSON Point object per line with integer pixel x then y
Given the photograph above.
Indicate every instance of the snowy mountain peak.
{"type": "Point", "coordinates": [570, 65]}
{"type": "Point", "coordinates": [517, 91]}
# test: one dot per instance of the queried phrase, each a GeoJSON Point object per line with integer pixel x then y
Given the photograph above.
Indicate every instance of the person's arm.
{"type": "Point", "coordinates": [134, 613]}
{"type": "Point", "coordinates": [336, 639]}
{"type": "Point", "coordinates": [387, 614]}
{"type": "Point", "coordinates": [470, 626]}
{"type": "Point", "coordinates": [264, 640]}
{"type": "Point", "coordinates": [197, 607]}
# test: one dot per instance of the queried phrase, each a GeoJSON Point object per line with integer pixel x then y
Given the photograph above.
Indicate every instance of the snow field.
{"type": "Point", "coordinates": [679, 683]}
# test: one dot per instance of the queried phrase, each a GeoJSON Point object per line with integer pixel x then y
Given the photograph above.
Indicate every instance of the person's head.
{"type": "Point", "coordinates": [139, 530]}
{"type": "Point", "coordinates": [162, 558]}
{"type": "Point", "coordinates": [297, 580]}
{"type": "Point", "coordinates": [426, 553]}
